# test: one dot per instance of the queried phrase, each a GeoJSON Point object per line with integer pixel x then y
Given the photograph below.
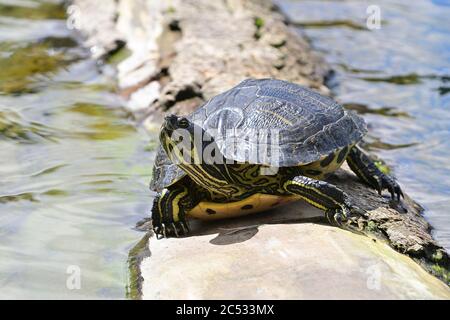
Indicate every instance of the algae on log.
{"type": "Point", "coordinates": [184, 52]}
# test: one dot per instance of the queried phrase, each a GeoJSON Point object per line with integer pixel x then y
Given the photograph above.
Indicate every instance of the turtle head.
{"type": "Point", "coordinates": [178, 136]}
{"type": "Point", "coordinates": [190, 147]}
{"type": "Point", "coordinates": [173, 122]}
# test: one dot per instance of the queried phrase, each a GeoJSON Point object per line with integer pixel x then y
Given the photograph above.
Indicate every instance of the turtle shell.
{"type": "Point", "coordinates": [270, 122]}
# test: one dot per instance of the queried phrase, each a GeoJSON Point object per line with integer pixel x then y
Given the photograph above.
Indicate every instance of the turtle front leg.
{"type": "Point", "coordinates": [169, 212]}
{"type": "Point", "coordinates": [367, 171]}
{"type": "Point", "coordinates": [326, 196]}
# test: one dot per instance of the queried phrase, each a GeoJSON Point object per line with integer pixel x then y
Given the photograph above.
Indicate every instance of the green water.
{"type": "Point", "coordinates": [74, 169]}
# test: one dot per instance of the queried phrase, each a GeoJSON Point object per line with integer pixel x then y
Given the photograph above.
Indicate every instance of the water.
{"type": "Point", "coordinates": [399, 78]}
{"type": "Point", "coordinates": [74, 169]}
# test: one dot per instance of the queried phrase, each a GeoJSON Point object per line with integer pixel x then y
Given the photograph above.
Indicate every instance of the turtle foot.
{"type": "Point", "coordinates": [391, 185]}
{"type": "Point", "coordinates": [341, 216]}
{"type": "Point", "coordinates": [171, 230]}
{"type": "Point", "coordinates": [365, 168]}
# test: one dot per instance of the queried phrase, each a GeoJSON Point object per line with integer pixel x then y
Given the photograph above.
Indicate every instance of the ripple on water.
{"type": "Point", "coordinates": [15, 127]}
{"type": "Point", "coordinates": [73, 169]}
{"type": "Point", "coordinates": [398, 77]}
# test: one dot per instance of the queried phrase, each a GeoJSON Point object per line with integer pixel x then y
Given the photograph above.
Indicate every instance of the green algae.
{"type": "Point", "coordinates": [442, 273]}
{"type": "Point", "coordinates": [19, 68]}
{"type": "Point", "coordinates": [135, 256]}
{"type": "Point", "coordinates": [103, 124]}
{"type": "Point", "coordinates": [14, 127]}
{"type": "Point", "coordinates": [259, 24]}
{"type": "Point", "coordinates": [118, 56]}
{"type": "Point", "coordinates": [383, 111]}
{"type": "Point", "coordinates": [26, 196]}
{"type": "Point", "coordinates": [383, 167]}
{"type": "Point", "coordinates": [333, 23]}
{"type": "Point", "coordinates": [44, 10]}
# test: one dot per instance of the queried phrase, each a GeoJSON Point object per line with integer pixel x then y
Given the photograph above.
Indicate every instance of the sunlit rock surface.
{"type": "Point", "coordinates": [283, 261]}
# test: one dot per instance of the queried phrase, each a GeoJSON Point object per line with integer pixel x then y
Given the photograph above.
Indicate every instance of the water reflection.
{"type": "Point", "coordinates": [398, 77]}
{"type": "Point", "coordinates": [73, 168]}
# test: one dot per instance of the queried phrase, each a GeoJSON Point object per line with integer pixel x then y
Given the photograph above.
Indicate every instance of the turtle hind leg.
{"type": "Point", "coordinates": [367, 171]}
{"type": "Point", "coordinates": [323, 195]}
{"type": "Point", "coordinates": [169, 212]}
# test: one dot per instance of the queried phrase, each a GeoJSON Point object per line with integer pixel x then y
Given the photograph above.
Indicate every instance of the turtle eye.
{"type": "Point", "coordinates": [183, 123]}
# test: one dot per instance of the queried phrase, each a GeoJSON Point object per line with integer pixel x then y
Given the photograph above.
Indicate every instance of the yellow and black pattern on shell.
{"type": "Point", "coordinates": [321, 169]}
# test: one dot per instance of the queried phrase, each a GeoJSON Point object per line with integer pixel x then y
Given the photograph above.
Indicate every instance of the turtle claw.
{"type": "Point", "coordinates": [365, 168]}
{"type": "Point", "coordinates": [379, 184]}
{"type": "Point", "coordinates": [392, 186]}
{"type": "Point", "coordinates": [345, 213]}
{"type": "Point", "coordinates": [171, 230]}
{"type": "Point", "coordinates": [380, 181]}
{"type": "Point", "coordinates": [160, 231]}
{"type": "Point", "coordinates": [336, 217]}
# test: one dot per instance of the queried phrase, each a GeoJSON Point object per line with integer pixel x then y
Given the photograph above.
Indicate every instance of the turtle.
{"type": "Point", "coordinates": [261, 144]}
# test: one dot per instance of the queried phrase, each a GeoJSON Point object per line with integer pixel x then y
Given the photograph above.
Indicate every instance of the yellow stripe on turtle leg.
{"type": "Point", "coordinates": [321, 194]}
